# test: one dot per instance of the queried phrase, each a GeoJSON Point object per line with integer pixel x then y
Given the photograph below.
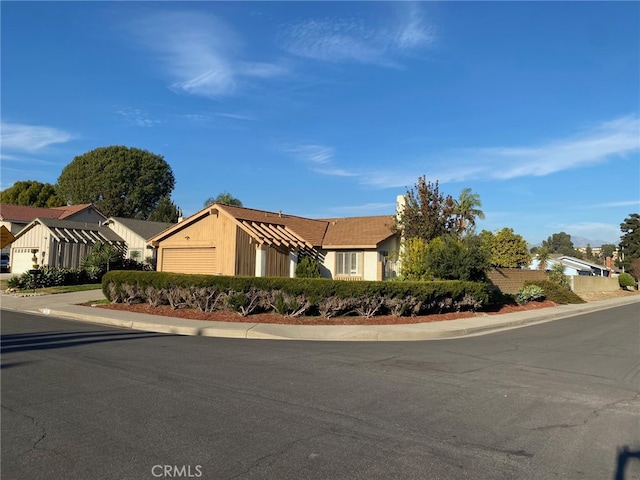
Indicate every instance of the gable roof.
{"type": "Point", "coordinates": [143, 228]}
{"type": "Point", "coordinates": [74, 232]}
{"type": "Point", "coordinates": [24, 214]}
{"type": "Point", "coordinates": [297, 232]}
{"type": "Point", "coordinates": [358, 232]}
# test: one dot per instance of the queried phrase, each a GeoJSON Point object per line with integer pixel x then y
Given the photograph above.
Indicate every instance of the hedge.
{"type": "Point", "coordinates": [293, 296]}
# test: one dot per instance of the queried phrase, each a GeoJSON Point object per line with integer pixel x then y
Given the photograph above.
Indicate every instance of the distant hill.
{"type": "Point", "coordinates": [582, 242]}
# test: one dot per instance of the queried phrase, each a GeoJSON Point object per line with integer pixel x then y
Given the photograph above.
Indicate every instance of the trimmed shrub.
{"type": "Point", "coordinates": [308, 268]}
{"type": "Point", "coordinates": [626, 280]}
{"type": "Point", "coordinates": [555, 292]}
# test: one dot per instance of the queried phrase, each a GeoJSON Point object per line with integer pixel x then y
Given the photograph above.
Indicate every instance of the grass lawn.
{"type": "Point", "coordinates": [62, 289]}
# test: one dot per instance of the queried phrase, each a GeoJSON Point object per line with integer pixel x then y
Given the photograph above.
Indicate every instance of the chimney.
{"type": "Point", "coordinates": [608, 262]}
{"type": "Point", "coordinates": [400, 204]}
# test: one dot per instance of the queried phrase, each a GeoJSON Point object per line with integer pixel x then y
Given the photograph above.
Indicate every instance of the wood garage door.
{"type": "Point", "coordinates": [189, 260]}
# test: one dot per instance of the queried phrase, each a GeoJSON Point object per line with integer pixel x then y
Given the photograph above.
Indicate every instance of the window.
{"type": "Point", "coordinates": [349, 263]}
{"type": "Point", "coordinates": [136, 254]}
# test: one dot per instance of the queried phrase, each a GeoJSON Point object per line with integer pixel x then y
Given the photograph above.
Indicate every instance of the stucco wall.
{"type": "Point", "coordinates": [584, 284]}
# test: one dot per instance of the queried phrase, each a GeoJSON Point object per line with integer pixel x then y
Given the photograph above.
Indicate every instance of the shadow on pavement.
{"type": "Point", "coordinates": [51, 340]}
{"type": "Point", "coordinates": [625, 456]}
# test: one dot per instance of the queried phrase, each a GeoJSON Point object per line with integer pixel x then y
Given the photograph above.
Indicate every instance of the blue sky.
{"type": "Point", "coordinates": [327, 109]}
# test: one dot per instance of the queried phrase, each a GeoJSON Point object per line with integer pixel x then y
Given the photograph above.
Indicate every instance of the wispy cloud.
{"type": "Point", "coordinates": [612, 139]}
{"type": "Point", "coordinates": [30, 138]}
{"type": "Point", "coordinates": [137, 117]}
{"type": "Point", "coordinates": [200, 53]}
{"type": "Point", "coordinates": [353, 40]}
{"type": "Point", "coordinates": [319, 158]}
{"type": "Point", "coordinates": [593, 230]}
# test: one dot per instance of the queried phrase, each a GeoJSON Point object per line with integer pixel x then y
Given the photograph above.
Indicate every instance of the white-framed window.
{"type": "Point", "coordinates": [136, 254]}
{"type": "Point", "coordinates": [349, 263]}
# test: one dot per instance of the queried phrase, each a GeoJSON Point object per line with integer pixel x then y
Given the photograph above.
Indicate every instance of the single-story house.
{"type": "Point", "coordinates": [227, 240]}
{"type": "Point", "coordinates": [135, 233]}
{"type": "Point", "coordinates": [574, 266]}
{"type": "Point", "coordinates": [16, 217]}
{"type": "Point", "coordinates": [58, 243]}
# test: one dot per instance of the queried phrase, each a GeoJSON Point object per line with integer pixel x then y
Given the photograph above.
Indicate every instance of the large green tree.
{"type": "Point", "coordinates": [451, 258]}
{"type": "Point", "coordinates": [426, 213]}
{"type": "Point", "coordinates": [165, 211]}
{"type": "Point", "coordinates": [560, 243]}
{"type": "Point", "coordinates": [630, 242]}
{"type": "Point", "coordinates": [225, 198]}
{"type": "Point", "coordinates": [120, 181]}
{"type": "Point", "coordinates": [31, 193]}
{"type": "Point", "coordinates": [466, 210]}
{"type": "Point", "coordinates": [508, 249]}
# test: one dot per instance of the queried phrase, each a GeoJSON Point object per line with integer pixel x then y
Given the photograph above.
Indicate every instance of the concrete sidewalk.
{"type": "Point", "coordinates": [66, 306]}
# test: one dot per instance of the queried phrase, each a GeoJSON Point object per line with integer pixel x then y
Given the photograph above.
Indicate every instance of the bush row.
{"type": "Point", "coordinates": [555, 292]}
{"type": "Point", "coordinates": [293, 296]}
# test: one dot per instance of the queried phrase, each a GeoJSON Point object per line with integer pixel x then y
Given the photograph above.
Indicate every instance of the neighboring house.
{"type": "Point", "coordinates": [58, 243]}
{"type": "Point", "coordinates": [135, 233]}
{"type": "Point", "coordinates": [574, 266]}
{"type": "Point", "coordinates": [16, 217]}
{"type": "Point", "coordinates": [228, 240]}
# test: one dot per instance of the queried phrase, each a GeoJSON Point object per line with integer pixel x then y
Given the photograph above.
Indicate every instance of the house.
{"type": "Point", "coordinates": [16, 217]}
{"type": "Point", "coordinates": [135, 233]}
{"type": "Point", "coordinates": [58, 243]}
{"type": "Point", "coordinates": [228, 240]}
{"type": "Point", "coordinates": [574, 266]}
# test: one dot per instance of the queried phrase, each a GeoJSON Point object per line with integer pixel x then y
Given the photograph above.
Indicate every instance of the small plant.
{"type": "Point", "coordinates": [14, 282]}
{"type": "Point", "coordinates": [556, 275]}
{"type": "Point", "coordinates": [529, 293]}
{"type": "Point", "coordinates": [626, 280]}
{"type": "Point", "coordinates": [308, 268]}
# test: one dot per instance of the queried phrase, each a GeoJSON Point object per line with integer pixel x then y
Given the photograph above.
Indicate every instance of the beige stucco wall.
{"type": "Point", "coordinates": [584, 284]}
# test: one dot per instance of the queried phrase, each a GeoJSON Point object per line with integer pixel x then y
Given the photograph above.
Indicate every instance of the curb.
{"type": "Point", "coordinates": [406, 332]}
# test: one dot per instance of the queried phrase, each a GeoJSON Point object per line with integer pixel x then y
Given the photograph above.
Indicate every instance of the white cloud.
{"type": "Point", "coordinates": [314, 154]}
{"type": "Point", "coordinates": [613, 139]}
{"type": "Point", "coordinates": [30, 138]}
{"type": "Point", "coordinates": [200, 53]}
{"type": "Point", "coordinates": [349, 40]}
{"type": "Point", "coordinates": [135, 116]}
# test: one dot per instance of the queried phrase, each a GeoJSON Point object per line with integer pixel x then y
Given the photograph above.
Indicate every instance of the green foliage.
{"type": "Point", "coordinates": [509, 250]}
{"type": "Point", "coordinates": [119, 181]}
{"type": "Point", "coordinates": [225, 198]}
{"type": "Point", "coordinates": [556, 275]}
{"type": "Point", "coordinates": [414, 260]}
{"type": "Point", "coordinates": [466, 209]}
{"type": "Point", "coordinates": [529, 293]}
{"type": "Point", "coordinates": [31, 193]}
{"type": "Point", "coordinates": [626, 280]}
{"type": "Point", "coordinates": [556, 293]}
{"type": "Point", "coordinates": [607, 250]}
{"type": "Point", "coordinates": [630, 241]}
{"type": "Point", "coordinates": [294, 295]}
{"type": "Point", "coordinates": [308, 268]}
{"type": "Point", "coordinates": [449, 258]}
{"type": "Point", "coordinates": [560, 243]}
{"type": "Point", "coordinates": [543, 256]}
{"type": "Point", "coordinates": [427, 214]}
{"type": "Point", "coordinates": [166, 211]}
{"type": "Point", "coordinates": [102, 256]}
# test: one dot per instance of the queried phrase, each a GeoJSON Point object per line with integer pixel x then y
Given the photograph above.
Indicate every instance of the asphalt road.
{"type": "Point", "coordinates": [555, 400]}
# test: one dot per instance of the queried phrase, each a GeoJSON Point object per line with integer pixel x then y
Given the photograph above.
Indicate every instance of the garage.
{"type": "Point", "coordinates": [189, 260]}
{"type": "Point", "coordinates": [21, 260]}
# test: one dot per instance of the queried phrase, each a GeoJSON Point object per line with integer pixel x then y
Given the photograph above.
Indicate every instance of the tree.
{"type": "Point", "coordinates": [119, 181]}
{"type": "Point", "coordinates": [560, 243]}
{"type": "Point", "coordinates": [31, 193]}
{"type": "Point", "coordinates": [589, 252]}
{"type": "Point", "coordinates": [543, 256]}
{"type": "Point", "coordinates": [606, 251]}
{"type": "Point", "coordinates": [413, 260]}
{"type": "Point", "coordinates": [630, 241]}
{"type": "Point", "coordinates": [509, 250]}
{"type": "Point", "coordinates": [102, 256]}
{"type": "Point", "coordinates": [225, 198]}
{"type": "Point", "coordinates": [426, 213]}
{"type": "Point", "coordinates": [466, 210]}
{"type": "Point", "coordinates": [450, 258]}
{"type": "Point", "coordinates": [166, 211]}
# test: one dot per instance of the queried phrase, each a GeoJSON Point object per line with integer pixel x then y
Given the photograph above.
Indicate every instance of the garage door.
{"type": "Point", "coordinates": [21, 260]}
{"type": "Point", "coordinates": [189, 260]}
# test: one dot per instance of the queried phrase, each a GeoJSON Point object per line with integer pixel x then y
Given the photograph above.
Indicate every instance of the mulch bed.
{"type": "Point", "coordinates": [192, 314]}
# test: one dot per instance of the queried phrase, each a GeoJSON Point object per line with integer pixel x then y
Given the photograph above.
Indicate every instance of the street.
{"type": "Point", "coordinates": [554, 400]}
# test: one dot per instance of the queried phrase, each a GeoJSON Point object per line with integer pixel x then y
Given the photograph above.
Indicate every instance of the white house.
{"type": "Point", "coordinates": [136, 233]}
{"type": "Point", "coordinates": [574, 266]}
